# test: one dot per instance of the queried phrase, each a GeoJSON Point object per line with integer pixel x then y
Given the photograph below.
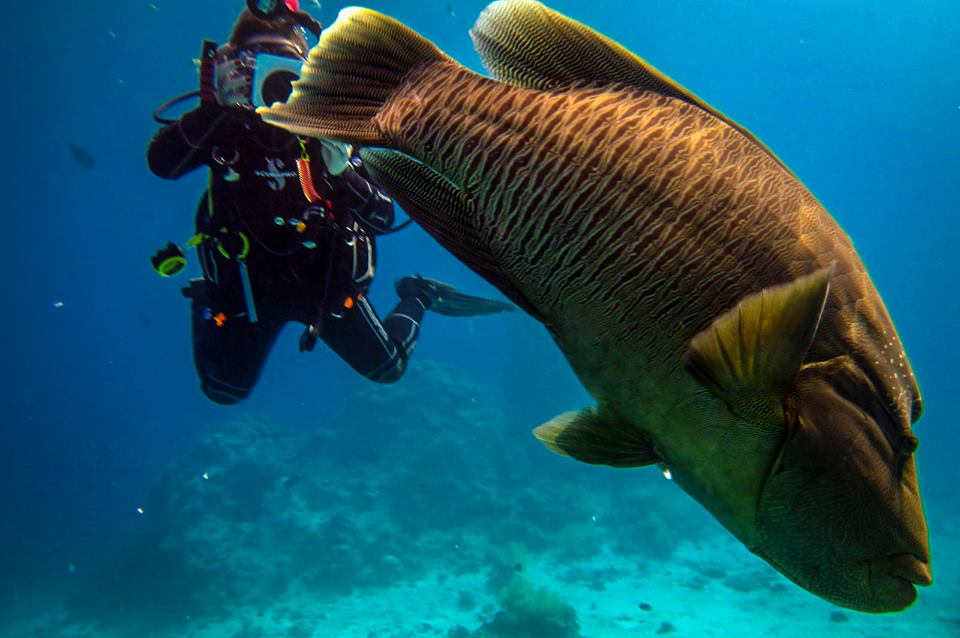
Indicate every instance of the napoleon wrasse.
{"type": "Point", "coordinates": [718, 315]}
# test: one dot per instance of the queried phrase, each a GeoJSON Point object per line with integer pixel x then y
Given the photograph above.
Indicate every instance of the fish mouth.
{"type": "Point", "coordinates": [909, 568]}
{"type": "Point", "coordinates": [894, 580]}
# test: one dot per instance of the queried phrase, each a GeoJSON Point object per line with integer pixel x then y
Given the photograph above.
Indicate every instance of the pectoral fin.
{"type": "Point", "coordinates": [600, 439]}
{"type": "Point", "coordinates": [444, 211]}
{"type": "Point", "coordinates": [750, 355]}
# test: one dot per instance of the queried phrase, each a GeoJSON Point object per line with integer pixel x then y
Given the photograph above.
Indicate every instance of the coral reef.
{"type": "Point", "coordinates": [529, 612]}
{"type": "Point", "coordinates": [418, 477]}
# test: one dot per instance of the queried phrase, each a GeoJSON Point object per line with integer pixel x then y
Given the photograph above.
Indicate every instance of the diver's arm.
{"type": "Point", "coordinates": [354, 191]}
{"type": "Point", "coordinates": [185, 145]}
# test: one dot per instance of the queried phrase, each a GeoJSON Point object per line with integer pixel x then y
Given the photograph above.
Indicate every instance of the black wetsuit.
{"type": "Point", "coordinates": [310, 264]}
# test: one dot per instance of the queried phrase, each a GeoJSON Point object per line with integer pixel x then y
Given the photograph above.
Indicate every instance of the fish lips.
{"type": "Point", "coordinates": [888, 584]}
{"type": "Point", "coordinates": [894, 578]}
{"type": "Point", "coordinates": [908, 567]}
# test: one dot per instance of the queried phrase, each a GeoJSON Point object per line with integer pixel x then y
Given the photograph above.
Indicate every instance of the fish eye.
{"type": "Point", "coordinates": [907, 444]}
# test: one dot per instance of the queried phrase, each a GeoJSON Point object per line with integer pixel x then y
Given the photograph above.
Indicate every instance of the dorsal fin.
{"type": "Point", "coordinates": [524, 43]}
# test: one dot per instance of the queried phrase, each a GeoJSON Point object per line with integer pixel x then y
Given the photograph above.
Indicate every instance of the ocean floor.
{"type": "Point", "coordinates": [708, 590]}
{"type": "Point", "coordinates": [444, 528]}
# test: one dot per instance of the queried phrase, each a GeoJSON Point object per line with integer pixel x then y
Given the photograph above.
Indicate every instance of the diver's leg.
{"type": "Point", "coordinates": [229, 352]}
{"type": "Point", "coordinates": [379, 350]}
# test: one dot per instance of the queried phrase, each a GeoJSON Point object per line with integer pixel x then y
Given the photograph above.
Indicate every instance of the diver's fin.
{"type": "Point", "coordinates": [445, 211]}
{"type": "Point", "coordinates": [524, 43]}
{"type": "Point", "coordinates": [457, 304]}
{"type": "Point", "coordinates": [750, 355]}
{"type": "Point", "coordinates": [453, 303]}
{"type": "Point", "coordinates": [601, 439]}
{"type": "Point", "coordinates": [361, 59]}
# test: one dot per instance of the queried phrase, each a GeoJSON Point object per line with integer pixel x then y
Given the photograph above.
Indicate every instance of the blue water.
{"type": "Point", "coordinates": [861, 99]}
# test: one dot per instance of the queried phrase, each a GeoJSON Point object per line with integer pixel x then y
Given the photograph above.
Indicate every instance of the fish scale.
{"type": "Point", "coordinates": [645, 225]}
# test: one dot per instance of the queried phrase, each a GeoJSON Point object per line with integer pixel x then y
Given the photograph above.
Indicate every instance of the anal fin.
{"type": "Point", "coordinates": [600, 439]}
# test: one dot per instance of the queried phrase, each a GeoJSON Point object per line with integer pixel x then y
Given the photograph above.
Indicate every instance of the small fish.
{"type": "Point", "coordinates": [81, 156]}
{"type": "Point", "coordinates": [292, 480]}
{"type": "Point", "coordinates": [58, 304]}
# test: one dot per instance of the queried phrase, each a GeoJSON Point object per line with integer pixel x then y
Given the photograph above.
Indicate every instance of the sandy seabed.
{"type": "Point", "coordinates": [744, 598]}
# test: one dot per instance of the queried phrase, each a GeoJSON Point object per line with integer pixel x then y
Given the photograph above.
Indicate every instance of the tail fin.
{"type": "Point", "coordinates": [360, 61]}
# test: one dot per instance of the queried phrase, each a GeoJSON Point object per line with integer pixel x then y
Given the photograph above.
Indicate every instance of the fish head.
{"type": "Point", "coordinates": [840, 512]}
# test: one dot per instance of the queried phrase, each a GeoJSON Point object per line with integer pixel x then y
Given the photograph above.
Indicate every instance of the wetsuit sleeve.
{"type": "Point", "coordinates": [354, 191]}
{"type": "Point", "coordinates": [185, 145]}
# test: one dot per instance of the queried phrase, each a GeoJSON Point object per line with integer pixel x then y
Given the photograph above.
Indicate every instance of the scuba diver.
{"type": "Point", "coordinates": [286, 228]}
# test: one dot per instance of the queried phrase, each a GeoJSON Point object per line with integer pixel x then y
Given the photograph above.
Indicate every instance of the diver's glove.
{"type": "Point", "coordinates": [354, 192]}
{"type": "Point", "coordinates": [336, 156]}
{"type": "Point", "coordinates": [197, 126]}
